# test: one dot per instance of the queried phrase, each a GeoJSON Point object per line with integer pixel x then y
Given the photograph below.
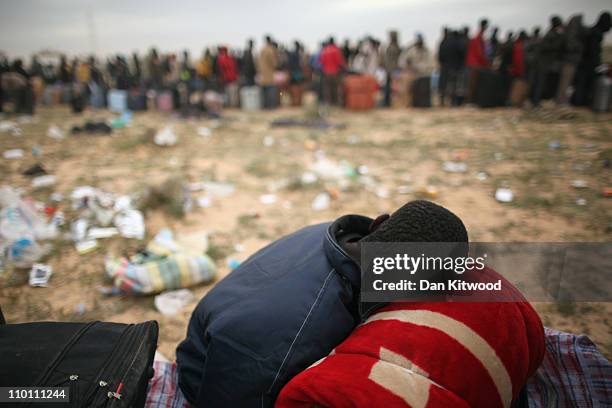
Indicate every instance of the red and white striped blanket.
{"type": "Point", "coordinates": [445, 354]}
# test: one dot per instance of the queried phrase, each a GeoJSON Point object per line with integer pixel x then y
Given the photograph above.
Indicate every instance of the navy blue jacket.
{"type": "Point", "coordinates": [283, 309]}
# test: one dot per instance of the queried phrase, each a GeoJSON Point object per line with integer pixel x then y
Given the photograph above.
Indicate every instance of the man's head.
{"type": "Point", "coordinates": [556, 22]}
{"type": "Point", "coordinates": [418, 221]}
{"type": "Point", "coordinates": [484, 23]}
{"type": "Point", "coordinates": [331, 40]}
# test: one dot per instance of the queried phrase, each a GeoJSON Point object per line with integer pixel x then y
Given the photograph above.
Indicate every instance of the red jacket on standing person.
{"type": "Point", "coordinates": [476, 57]}
{"type": "Point", "coordinates": [331, 60]}
{"type": "Point", "coordinates": [517, 69]}
{"type": "Point", "coordinates": [227, 66]}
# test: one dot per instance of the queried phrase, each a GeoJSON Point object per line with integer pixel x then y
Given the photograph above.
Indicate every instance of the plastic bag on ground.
{"type": "Point", "coordinates": [166, 137]}
{"type": "Point", "coordinates": [170, 303]}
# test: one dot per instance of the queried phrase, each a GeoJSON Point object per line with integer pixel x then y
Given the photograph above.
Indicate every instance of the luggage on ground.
{"type": "Point", "coordinates": [490, 89]}
{"type": "Point", "coordinates": [165, 101]}
{"type": "Point", "coordinates": [250, 98]}
{"type": "Point", "coordinates": [519, 92]}
{"type": "Point", "coordinates": [360, 92]}
{"type": "Point", "coordinates": [421, 92]}
{"type": "Point", "coordinates": [601, 94]}
{"type": "Point", "coordinates": [232, 95]}
{"type": "Point", "coordinates": [117, 100]}
{"type": "Point", "coordinates": [101, 364]}
{"type": "Point", "coordinates": [96, 96]}
{"type": "Point", "coordinates": [137, 100]}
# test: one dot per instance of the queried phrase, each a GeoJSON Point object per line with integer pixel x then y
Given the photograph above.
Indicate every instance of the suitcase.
{"type": "Point", "coordinates": [137, 101]}
{"type": "Point", "coordinates": [489, 89]}
{"type": "Point", "coordinates": [165, 101]}
{"type": "Point", "coordinates": [360, 92]}
{"type": "Point", "coordinates": [96, 96]}
{"type": "Point", "coordinates": [519, 92]}
{"type": "Point", "coordinates": [421, 92]}
{"type": "Point", "coordinates": [117, 100]}
{"type": "Point", "coordinates": [232, 95]}
{"type": "Point", "coordinates": [101, 364]}
{"type": "Point", "coordinates": [250, 98]}
{"type": "Point", "coordinates": [601, 94]}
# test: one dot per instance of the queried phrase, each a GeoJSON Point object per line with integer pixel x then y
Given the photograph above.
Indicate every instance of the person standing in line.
{"type": "Point", "coordinates": [248, 64]}
{"type": "Point", "coordinates": [548, 59]}
{"type": "Point", "coordinates": [332, 63]}
{"type": "Point", "coordinates": [444, 57]}
{"type": "Point", "coordinates": [295, 66]}
{"type": "Point", "coordinates": [266, 65]}
{"type": "Point", "coordinates": [391, 63]}
{"type": "Point", "coordinates": [570, 57]}
{"type": "Point", "coordinates": [476, 59]}
{"type": "Point", "coordinates": [591, 59]}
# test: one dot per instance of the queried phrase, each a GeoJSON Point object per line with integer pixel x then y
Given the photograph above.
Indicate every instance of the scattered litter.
{"type": "Point", "coordinates": [554, 145]}
{"type": "Point", "coordinates": [239, 248]}
{"type": "Point", "coordinates": [40, 274]}
{"type": "Point", "coordinates": [498, 156]}
{"type": "Point", "coordinates": [321, 202]}
{"type": "Point", "coordinates": [579, 184]}
{"type": "Point", "coordinates": [35, 170]}
{"type": "Point", "coordinates": [85, 247]}
{"type": "Point", "coordinates": [268, 141]}
{"type": "Point", "coordinates": [171, 302]}
{"type": "Point", "coordinates": [97, 127]}
{"type": "Point", "coordinates": [606, 192]}
{"type": "Point", "coordinates": [13, 154]}
{"type": "Point", "coordinates": [214, 188]}
{"type": "Point", "coordinates": [37, 151]}
{"type": "Point", "coordinates": [130, 224]}
{"type": "Point", "coordinates": [308, 177]}
{"type": "Point", "coordinates": [8, 126]}
{"type": "Point", "coordinates": [581, 201]}
{"type": "Point", "coordinates": [80, 309]}
{"type": "Point", "coordinates": [204, 201]}
{"type": "Point", "coordinates": [164, 265]}
{"type": "Point", "coordinates": [428, 191]}
{"type": "Point", "coordinates": [233, 263]}
{"type": "Point", "coordinates": [100, 233]}
{"type": "Point", "coordinates": [312, 123]}
{"type": "Point", "coordinates": [166, 137]}
{"type": "Point", "coordinates": [504, 195]}
{"type": "Point", "coordinates": [22, 226]}
{"type": "Point", "coordinates": [204, 131]}
{"type": "Point", "coordinates": [460, 155]}
{"type": "Point", "coordinates": [55, 132]}
{"type": "Point", "coordinates": [454, 167]}
{"type": "Point", "coordinates": [43, 181]}
{"type": "Point", "coordinates": [482, 175]}
{"type": "Point", "coordinates": [405, 189]}
{"type": "Point", "coordinates": [268, 199]}
{"type": "Point", "coordinates": [353, 139]}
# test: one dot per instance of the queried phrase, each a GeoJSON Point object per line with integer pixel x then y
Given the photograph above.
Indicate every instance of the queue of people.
{"type": "Point", "coordinates": [562, 64]}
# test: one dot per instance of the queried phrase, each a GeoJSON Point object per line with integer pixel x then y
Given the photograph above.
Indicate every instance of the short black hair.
{"type": "Point", "coordinates": [420, 221]}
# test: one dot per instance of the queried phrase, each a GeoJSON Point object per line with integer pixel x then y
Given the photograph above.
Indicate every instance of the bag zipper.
{"type": "Point", "coordinates": [117, 360]}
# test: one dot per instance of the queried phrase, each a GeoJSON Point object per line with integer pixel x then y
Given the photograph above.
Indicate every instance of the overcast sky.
{"type": "Point", "coordinates": [108, 26]}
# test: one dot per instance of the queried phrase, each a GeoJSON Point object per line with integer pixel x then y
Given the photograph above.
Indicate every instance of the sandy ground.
{"type": "Point", "coordinates": [402, 149]}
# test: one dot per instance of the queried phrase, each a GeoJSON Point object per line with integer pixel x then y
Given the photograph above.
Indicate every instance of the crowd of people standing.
{"type": "Point", "coordinates": [561, 64]}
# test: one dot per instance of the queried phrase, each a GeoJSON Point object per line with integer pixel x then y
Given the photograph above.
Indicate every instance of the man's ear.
{"type": "Point", "coordinates": [377, 222]}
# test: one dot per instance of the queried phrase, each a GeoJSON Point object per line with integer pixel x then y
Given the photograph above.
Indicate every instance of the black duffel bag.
{"type": "Point", "coordinates": [102, 364]}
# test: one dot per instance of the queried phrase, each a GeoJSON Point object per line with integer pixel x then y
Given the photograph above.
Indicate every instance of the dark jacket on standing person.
{"type": "Point", "coordinates": [551, 49]}
{"type": "Point", "coordinates": [281, 310]}
{"type": "Point", "coordinates": [591, 56]}
{"type": "Point", "coordinates": [573, 38]}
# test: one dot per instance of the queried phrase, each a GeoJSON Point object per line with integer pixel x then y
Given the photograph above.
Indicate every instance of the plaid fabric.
{"type": "Point", "coordinates": [573, 374]}
{"type": "Point", "coordinates": [163, 389]}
